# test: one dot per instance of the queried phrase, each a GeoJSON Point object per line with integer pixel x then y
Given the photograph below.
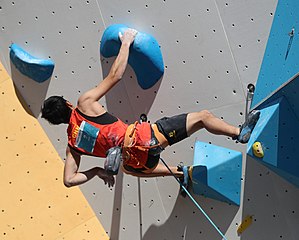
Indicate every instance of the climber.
{"type": "Point", "coordinates": [93, 131]}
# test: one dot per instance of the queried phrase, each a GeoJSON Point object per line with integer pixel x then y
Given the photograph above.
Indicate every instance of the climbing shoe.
{"type": "Point", "coordinates": [186, 178]}
{"type": "Point", "coordinates": [247, 127]}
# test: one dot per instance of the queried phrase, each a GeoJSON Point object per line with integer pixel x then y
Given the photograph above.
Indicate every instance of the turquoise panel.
{"type": "Point", "coordinates": [280, 61]}
{"type": "Point", "coordinates": [278, 132]}
{"type": "Point", "coordinates": [288, 151]}
{"type": "Point", "coordinates": [266, 132]}
{"type": "Point", "coordinates": [290, 91]}
{"type": "Point", "coordinates": [217, 172]}
{"type": "Point", "coordinates": [145, 54]}
{"type": "Point", "coordinates": [37, 69]}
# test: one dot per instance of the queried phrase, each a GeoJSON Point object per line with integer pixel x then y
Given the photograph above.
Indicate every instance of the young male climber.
{"type": "Point", "coordinates": [93, 131]}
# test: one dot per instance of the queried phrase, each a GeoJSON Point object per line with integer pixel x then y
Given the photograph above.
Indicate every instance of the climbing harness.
{"type": "Point", "coordinates": [194, 201]}
{"type": "Point", "coordinates": [133, 154]}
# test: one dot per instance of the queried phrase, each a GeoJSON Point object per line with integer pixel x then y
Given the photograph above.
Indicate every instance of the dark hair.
{"type": "Point", "coordinates": [56, 111]}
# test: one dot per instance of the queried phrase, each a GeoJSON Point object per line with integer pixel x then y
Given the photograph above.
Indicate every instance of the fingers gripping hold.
{"type": "Point", "coordinates": [128, 36]}
{"type": "Point", "coordinates": [145, 54]}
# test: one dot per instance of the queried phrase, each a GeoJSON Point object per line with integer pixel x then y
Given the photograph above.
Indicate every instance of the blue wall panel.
{"type": "Point", "coordinates": [266, 132]}
{"type": "Point", "coordinates": [217, 172]}
{"type": "Point", "coordinates": [280, 61]}
{"type": "Point", "coordinates": [278, 132]}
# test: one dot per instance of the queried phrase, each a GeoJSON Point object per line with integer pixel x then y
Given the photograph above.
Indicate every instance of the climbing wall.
{"type": "Point", "coordinates": [211, 51]}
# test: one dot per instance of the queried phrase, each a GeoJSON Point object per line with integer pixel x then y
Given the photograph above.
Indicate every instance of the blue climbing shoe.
{"type": "Point", "coordinates": [248, 126]}
{"type": "Point", "coordinates": [186, 179]}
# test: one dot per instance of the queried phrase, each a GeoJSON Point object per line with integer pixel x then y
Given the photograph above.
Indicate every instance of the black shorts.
{"type": "Point", "coordinates": [173, 128]}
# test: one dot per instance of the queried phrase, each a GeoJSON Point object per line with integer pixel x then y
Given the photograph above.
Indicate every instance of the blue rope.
{"type": "Point", "coordinates": [194, 201]}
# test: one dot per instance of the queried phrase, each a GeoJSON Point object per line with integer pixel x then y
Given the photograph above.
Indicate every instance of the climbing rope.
{"type": "Point", "coordinates": [194, 201]}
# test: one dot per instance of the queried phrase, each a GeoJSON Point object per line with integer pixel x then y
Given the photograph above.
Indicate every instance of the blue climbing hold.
{"type": "Point", "coordinates": [145, 54]}
{"type": "Point", "coordinates": [37, 69]}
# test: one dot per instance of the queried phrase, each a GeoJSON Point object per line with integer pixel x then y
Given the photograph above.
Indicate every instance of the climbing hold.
{"type": "Point", "coordinates": [258, 150]}
{"type": "Point", "coordinates": [37, 69]}
{"type": "Point", "coordinates": [244, 225]}
{"type": "Point", "coordinates": [217, 172]}
{"type": "Point", "coordinates": [145, 54]}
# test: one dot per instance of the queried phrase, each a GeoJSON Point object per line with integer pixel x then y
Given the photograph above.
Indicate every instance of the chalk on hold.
{"type": "Point", "coordinates": [145, 54]}
{"type": "Point", "coordinates": [37, 69]}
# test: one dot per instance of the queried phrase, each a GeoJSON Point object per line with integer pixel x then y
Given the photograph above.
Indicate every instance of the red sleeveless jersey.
{"type": "Point", "coordinates": [93, 138]}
